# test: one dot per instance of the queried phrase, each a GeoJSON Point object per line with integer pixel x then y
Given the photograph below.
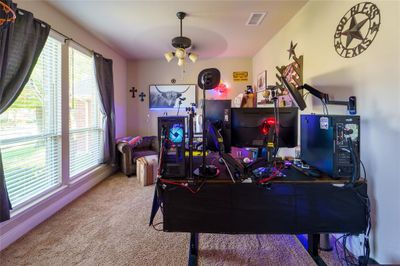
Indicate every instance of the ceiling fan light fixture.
{"type": "Point", "coordinates": [169, 56]}
{"type": "Point", "coordinates": [193, 57]}
{"type": "Point", "coordinates": [181, 43]}
{"type": "Point", "coordinates": [180, 53]}
{"type": "Point", "coordinates": [181, 62]}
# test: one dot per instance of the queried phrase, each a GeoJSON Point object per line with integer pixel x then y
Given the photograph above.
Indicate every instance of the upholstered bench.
{"type": "Point", "coordinates": [132, 148]}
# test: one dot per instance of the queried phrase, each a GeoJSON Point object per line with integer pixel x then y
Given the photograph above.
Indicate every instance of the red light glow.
{"type": "Point", "coordinates": [266, 125]}
{"type": "Point", "coordinates": [270, 121]}
{"type": "Point", "coordinates": [221, 89]}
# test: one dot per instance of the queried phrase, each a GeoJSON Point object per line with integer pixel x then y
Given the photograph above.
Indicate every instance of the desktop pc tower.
{"type": "Point", "coordinates": [173, 158]}
{"type": "Point", "coordinates": [325, 144]}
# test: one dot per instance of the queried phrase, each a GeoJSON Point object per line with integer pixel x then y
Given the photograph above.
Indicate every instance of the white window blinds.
{"type": "Point", "coordinates": [85, 117]}
{"type": "Point", "coordinates": [30, 131]}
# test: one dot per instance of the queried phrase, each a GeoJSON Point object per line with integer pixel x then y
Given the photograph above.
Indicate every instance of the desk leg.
{"type": "Point", "coordinates": [193, 249]}
{"type": "Point", "coordinates": [312, 248]}
{"type": "Point", "coordinates": [311, 244]}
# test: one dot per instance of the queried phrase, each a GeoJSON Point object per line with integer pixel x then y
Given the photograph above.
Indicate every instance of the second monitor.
{"type": "Point", "coordinates": [247, 126]}
{"type": "Point", "coordinates": [219, 112]}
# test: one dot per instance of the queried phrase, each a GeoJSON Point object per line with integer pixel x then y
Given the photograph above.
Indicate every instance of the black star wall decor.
{"type": "Point", "coordinates": [357, 29]}
{"type": "Point", "coordinates": [291, 50]}
{"type": "Point", "coordinates": [354, 31]}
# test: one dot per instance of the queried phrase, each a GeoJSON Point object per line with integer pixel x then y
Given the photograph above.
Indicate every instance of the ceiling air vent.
{"type": "Point", "coordinates": [255, 18]}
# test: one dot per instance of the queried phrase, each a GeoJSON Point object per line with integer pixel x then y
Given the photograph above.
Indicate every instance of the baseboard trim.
{"type": "Point", "coordinates": [22, 223]}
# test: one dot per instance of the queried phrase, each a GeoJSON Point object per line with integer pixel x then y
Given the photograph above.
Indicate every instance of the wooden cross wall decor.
{"type": "Point", "coordinates": [133, 90]}
{"type": "Point", "coordinates": [141, 96]}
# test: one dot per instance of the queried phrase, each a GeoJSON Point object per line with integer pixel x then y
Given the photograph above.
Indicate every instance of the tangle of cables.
{"type": "Point", "coordinates": [348, 258]}
{"type": "Point", "coordinates": [185, 185]}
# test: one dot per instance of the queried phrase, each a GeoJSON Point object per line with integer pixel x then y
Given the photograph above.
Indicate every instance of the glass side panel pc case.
{"type": "Point", "coordinates": [173, 158]}
{"type": "Point", "coordinates": [324, 143]}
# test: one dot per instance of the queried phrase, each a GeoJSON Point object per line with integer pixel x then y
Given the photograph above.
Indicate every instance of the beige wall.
{"type": "Point", "coordinates": [373, 77]}
{"type": "Point", "coordinates": [141, 120]}
{"type": "Point", "coordinates": [63, 24]}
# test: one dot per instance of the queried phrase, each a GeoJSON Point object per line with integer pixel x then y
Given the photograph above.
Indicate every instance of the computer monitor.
{"type": "Point", "coordinates": [295, 93]}
{"type": "Point", "coordinates": [218, 112]}
{"type": "Point", "coordinates": [247, 122]}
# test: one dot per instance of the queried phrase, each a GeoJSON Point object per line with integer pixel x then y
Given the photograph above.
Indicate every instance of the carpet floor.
{"type": "Point", "coordinates": [109, 226]}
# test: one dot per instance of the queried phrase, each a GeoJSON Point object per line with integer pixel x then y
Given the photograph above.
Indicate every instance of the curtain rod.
{"type": "Point", "coordinates": [70, 39]}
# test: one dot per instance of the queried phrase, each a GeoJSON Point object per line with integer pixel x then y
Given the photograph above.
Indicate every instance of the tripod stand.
{"type": "Point", "coordinates": [208, 79]}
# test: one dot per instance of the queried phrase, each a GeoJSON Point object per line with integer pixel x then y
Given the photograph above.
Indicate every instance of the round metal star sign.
{"type": "Point", "coordinates": [357, 29]}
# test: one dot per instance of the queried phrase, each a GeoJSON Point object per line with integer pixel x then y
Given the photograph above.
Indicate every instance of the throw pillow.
{"type": "Point", "coordinates": [135, 141]}
{"type": "Point", "coordinates": [145, 144]}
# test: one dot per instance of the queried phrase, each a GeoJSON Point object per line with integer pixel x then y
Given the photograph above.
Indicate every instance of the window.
{"type": "Point", "coordinates": [85, 117]}
{"type": "Point", "coordinates": [30, 131]}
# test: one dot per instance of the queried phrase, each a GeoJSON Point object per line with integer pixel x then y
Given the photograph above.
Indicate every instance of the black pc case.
{"type": "Point", "coordinates": [324, 144]}
{"type": "Point", "coordinates": [173, 127]}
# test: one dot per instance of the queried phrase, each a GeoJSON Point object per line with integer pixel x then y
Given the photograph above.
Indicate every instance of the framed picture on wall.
{"type": "Point", "coordinates": [262, 97]}
{"type": "Point", "coordinates": [262, 81]}
{"type": "Point", "coordinates": [169, 96]}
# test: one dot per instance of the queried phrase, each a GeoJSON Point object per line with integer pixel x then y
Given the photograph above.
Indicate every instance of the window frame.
{"type": "Point", "coordinates": [84, 51]}
{"type": "Point", "coordinates": [45, 136]}
{"type": "Point", "coordinates": [63, 133]}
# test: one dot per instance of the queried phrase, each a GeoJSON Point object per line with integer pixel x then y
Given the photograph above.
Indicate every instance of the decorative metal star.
{"type": "Point", "coordinates": [291, 50]}
{"type": "Point", "coordinates": [354, 30]}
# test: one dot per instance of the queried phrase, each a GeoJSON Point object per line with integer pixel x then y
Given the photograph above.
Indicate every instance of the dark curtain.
{"type": "Point", "coordinates": [20, 46]}
{"type": "Point", "coordinates": [5, 35]}
{"type": "Point", "coordinates": [105, 81]}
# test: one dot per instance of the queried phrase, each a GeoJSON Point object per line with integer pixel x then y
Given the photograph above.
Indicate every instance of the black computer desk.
{"type": "Point", "coordinates": [294, 204]}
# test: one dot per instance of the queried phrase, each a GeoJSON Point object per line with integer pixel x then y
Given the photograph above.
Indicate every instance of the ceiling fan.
{"type": "Point", "coordinates": [181, 43]}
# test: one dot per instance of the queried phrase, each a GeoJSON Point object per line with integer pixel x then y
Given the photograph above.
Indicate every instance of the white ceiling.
{"type": "Point", "coordinates": [144, 29]}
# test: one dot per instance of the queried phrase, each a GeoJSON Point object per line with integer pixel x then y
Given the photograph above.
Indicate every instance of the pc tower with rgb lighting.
{"type": "Point", "coordinates": [327, 142]}
{"type": "Point", "coordinates": [171, 135]}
